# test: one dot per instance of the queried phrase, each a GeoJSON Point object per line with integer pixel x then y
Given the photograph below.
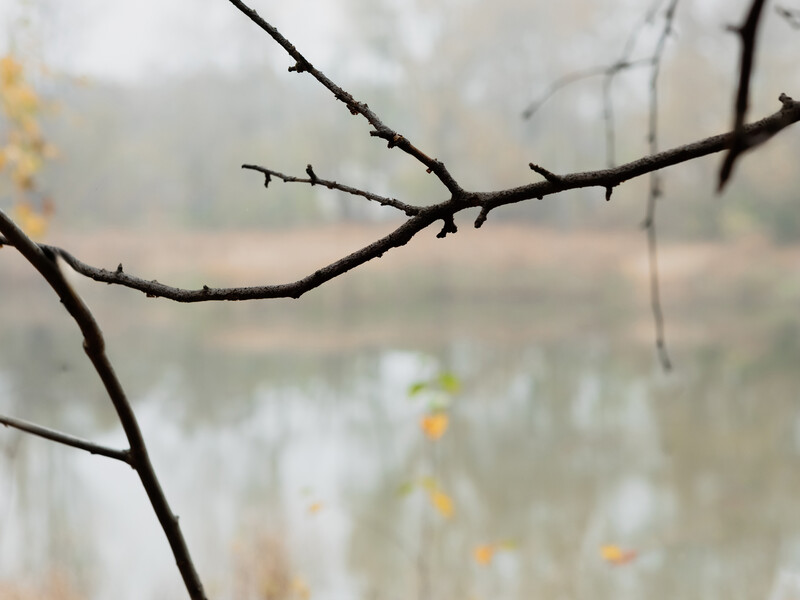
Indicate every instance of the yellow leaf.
{"type": "Point", "coordinates": [483, 554]}
{"type": "Point", "coordinates": [434, 426]}
{"type": "Point", "coordinates": [301, 589]}
{"type": "Point", "coordinates": [315, 507]}
{"type": "Point", "coordinates": [30, 221]}
{"type": "Point", "coordinates": [21, 99]}
{"type": "Point", "coordinates": [443, 503]}
{"type": "Point", "coordinates": [30, 126]}
{"type": "Point", "coordinates": [27, 165]}
{"type": "Point", "coordinates": [616, 555]}
{"type": "Point", "coordinates": [22, 180]}
{"type": "Point", "coordinates": [429, 484]}
{"type": "Point", "coordinates": [49, 150]}
{"type": "Point", "coordinates": [10, 70]}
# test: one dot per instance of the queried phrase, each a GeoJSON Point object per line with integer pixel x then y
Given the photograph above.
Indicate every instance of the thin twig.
{"type": "Point", "coordinates": [747, 33]}
{"type": "Point", "coordinates": [609, 121]}
{"type": "Point", "coordinates": [486, 201]}
{"type": "Point", "coordinates": [43, 259]}
{"type": "Point", "coordinates": [792, 15]}
{"type": "Point", "coordinates": [610, 76]}
{"type": "Point", "coordinates": [562, 82]}
{"type": "Point", "coordinates": [548, 175]}
{"type": "Point", "coordinates": [355, 107]}
{"type": "Point", "coordinates": [409, 209]}
{"type": "Point", "coordinates": [655, 299]}
{"type": "Point", "coordinates": [609, 73]}
{"type": "Point", "coordinates": [66, 439]}
{"type": "Point", "coordinates": [655, 190]}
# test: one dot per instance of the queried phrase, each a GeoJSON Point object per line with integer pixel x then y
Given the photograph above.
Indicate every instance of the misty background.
{"type": "Point", "coordinates": [283, 430]}
{"type": "Point", "coordinates": [156, 106]}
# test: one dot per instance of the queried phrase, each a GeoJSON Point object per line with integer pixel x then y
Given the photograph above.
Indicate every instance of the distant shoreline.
{"type": "Point", "coordinates": [504, 280]}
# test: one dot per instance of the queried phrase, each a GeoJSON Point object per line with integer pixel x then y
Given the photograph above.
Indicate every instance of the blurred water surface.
{"type": "Point", "coordinates": [284, 436]}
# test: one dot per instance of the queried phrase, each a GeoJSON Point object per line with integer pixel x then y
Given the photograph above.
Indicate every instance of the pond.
{"type": "Point", "coordinates": [288, 441]}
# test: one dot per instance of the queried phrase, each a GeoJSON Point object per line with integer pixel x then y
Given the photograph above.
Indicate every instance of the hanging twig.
{"type": "Point", "coordinates": [747, 33]}
{"type": "Point", "coordinates": [655, 190]}
{"type": "Point", "coordinates": [608, 70]}
{"type": "Point", "coordinates": [609, 73]}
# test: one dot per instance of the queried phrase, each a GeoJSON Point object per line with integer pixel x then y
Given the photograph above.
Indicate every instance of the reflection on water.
{"type": "Point", "coordinates": [285, 461]}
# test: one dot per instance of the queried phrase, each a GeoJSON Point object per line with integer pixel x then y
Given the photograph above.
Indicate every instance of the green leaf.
{"type": "Point", "coordinates": [429, 484]}
{"type": "Point", "coordinates": [416, 388]}
{"type": "Point", "coordinates": [449, 382]}
{"type": "Point", "coordinates": [406, 488]}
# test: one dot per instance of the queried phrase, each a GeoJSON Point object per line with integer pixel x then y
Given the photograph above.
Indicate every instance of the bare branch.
{"type": "Point", "coordinates": [551, 177]}
{"type": "Point", "coordinates": [355, 107]}
{"type": "Point", "coordinates": [792, 15]}
{"type": "Point", "coordinates": [652, 132]}
{"type": "Point", "coordinates": [43, 260]}
{"type": "Point", "coordinates": [566, 80]}
{"type": "Point", "coordinates": [609, 73]}
{"type": "Point", "coordinates": [655, 298]}
{"type": "Point", "coordinates": [66, 439]}
{"type": "Point", "coordinates": [409, 209]}
{"type": "Point", "coordinates": [767, 127]}
{"type": "Point", "coordinates": [747, 33]}
{"type": "Point", "coordinates": [655, 189]}
{"type": "Point", "coordinates": [486, 201]}
{"type": "Point", "coordinates": [608, 80]}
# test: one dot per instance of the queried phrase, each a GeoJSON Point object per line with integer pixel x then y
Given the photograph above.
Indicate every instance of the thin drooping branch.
{"type": "Point", "coordinates": [608, 80]}
{"type": "Point", "coordinates": [747, 33]}
{"type": "Point", "coordinates": [608, 71]}
{"type": "Point", "coordinates": [65, 438]}
{"type": "Point", "coordinates": [409, 209]}
{"type": "Point", "coordinates": [652, 126]}
{"type": "Point", "coordinates": [380, 130]}
{"type": "Point", "coordinates": [444, 211]}
{"type": "Point", "coordinates": [655, 189]}
{"type": "Point", "coordinates": [44, 260]}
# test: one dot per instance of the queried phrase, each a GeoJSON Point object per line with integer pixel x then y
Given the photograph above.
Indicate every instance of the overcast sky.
{"type": "Point", "coordinates": [125, 41]}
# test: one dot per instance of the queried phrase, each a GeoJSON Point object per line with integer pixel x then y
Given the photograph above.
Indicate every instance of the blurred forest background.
{"type": "Point", "coordinates": [156, 137]}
